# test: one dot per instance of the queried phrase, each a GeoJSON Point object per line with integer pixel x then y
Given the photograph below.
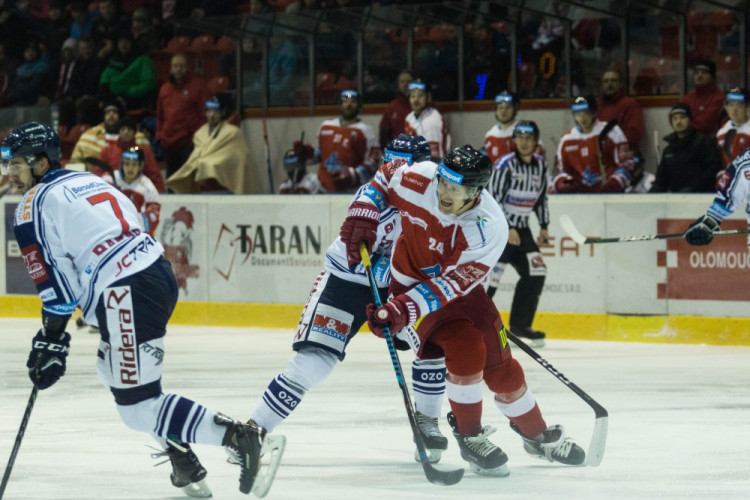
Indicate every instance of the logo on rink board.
{"type": "Point", "coordinates": [718, 271]}
{"type": "Point", "coordinates": [177, 239]}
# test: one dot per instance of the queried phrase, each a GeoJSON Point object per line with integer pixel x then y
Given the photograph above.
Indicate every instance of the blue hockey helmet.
{"type": "Point", "coordinates": [411, 148]}
{"type": "Point", "coordinates": [466, 166]}
{"type": "Point", "coordinates": [30, 140]}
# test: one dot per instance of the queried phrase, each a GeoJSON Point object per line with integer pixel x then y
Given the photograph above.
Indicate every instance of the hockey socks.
{"type": "Point", "coordinates": [428, 382]}
{"type": "Point", "coordinates": [466, 404]}
{"type": "Point", "coordinates": [524, 413]}
{"type": "Point", "coordinates": [279, 400]}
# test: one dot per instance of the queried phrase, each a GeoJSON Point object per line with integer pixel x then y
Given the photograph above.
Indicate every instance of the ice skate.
{"type": "Point", "coordinates": [187, 471]}
{"type": "Point", "coordinates": [434, 441]}
{"type": "Point", "coordinates": [552, 445]}
{"type": "Point", "coordinates": [245, 442]}
{"type": "Point", "coordinates": [270, 458]}
{"type": "Point", "coordinates": [483, 456]}
{"type": "Point", "coordinates": [535, 337]}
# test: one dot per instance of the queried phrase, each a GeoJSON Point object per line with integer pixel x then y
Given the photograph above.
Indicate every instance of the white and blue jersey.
{"type": "Point", "coordinates": [77, 235]}
{"type": "Point", "coordinates": [734, 189]}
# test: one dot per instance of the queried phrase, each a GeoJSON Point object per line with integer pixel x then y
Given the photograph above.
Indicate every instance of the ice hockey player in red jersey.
{"type": "Point", "coordinates": [138, 188]}
{"type": "Point", "coordinates": [594, 156]}
{"type": "Point", "coordinates": [349, 151]}
{"type": "Point", "coordinates": [425, 120]}
{"type": "Point", "coordinates": [452, 233]}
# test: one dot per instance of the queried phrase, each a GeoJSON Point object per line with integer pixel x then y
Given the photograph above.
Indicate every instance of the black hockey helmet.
{"type": "Point", "coordinates": [526, 127]}
{"type": "Point", "coordinates": [29, 141]}
{"type": "Point", "coordinates": [411, 148]}
{"type": "Point", "coordinates": [466, 166]}
{"type": "Point", "coordinates": [134, 153]}
{"type": "Point", "coordinates": [738, 94]}
{"type": "Point", "coordinates": [506, 96]}
{"type": "Point", "coordinates": [584, 103]}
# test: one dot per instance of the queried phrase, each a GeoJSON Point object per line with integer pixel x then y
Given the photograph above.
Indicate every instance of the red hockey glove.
{"type": "Point", "coordinates": [361, 224]}
{"type": "Point", "coordinates": [396, 314]}
{"type": "Point", "coordinates": [565, 184]}
{"type": "Point", "coordinates": [345, 179]}
{"type": "Point", "coordinates": [303, 151]}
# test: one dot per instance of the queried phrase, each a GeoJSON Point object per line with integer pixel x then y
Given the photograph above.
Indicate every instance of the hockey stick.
{"type": "Point", "coordinates": [578, 237]}
{"type": "Point", "coordinates": [267, 151]}
{"type": "Point", "coordinates": [435, 474]}
{"type": "Point", "coordinates": [104, 166]}
{"type": "Point", "coordinates": [19, 437]}
{"type": "Point", "coordinates": [599, 436]}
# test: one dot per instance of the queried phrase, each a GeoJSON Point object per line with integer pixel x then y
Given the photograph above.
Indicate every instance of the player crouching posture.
{"type": "Point", "coordinates": [452, 233]}
{"type": "Point", "coordinates": [84, 244]}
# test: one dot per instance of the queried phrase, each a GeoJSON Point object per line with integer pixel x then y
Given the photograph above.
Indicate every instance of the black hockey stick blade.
{"type": "Point", "coordinates": [19, 437]}
{"type": "Point", "coordinates": [599, 436]}
{"type": "Point", "coordinates": [434, 474]}
{"type": "Point", "coordinates": [567, 224]}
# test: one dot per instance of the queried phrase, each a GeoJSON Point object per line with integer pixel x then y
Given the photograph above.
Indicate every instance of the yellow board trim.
{"type": "Point", "coordinates": [572, 326]}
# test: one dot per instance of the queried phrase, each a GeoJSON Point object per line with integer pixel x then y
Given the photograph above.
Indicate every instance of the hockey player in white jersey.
{"type": "Point", "coordinates": [452, 233]}
{"type": "Point", "coordinates": [733, 192]}
{"type": "Point", "coordinates": [335, 311]}
{"type": "Point", "coordinates": [139, 188]}
{"type": "Point", "coordinates": [84, 245]}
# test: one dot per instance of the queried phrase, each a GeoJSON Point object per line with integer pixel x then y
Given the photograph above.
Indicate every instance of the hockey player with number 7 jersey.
{"type": "Point", "coordinates": [452, 233]}
{"type": "Point", "coordinates": [83, 244]}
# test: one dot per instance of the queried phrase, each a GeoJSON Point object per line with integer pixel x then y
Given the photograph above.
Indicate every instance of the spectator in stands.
{"type": "Point", "coordinates": [691, 159]}
{"type": "Point", "coordinates": [128, 74]}
{"type": "Point", "coordinates": [94, 140]}
{"type": "Point", "coordinates": [615, 105]}
{"type": "Point", "coordinates": [112, 153]}
{"type": "Point", "coordinates": [392, 122]}
{"type": "Point", "coordinates": [108, 25]}
{"type": "Point", "coordinates": [31, 79]}
{"type": "Point", "coordinates": [220, 161]}
{"type": "Point", "coordinates": [734, 136]}
{"type": "Point", "coordinates": [282, 64]}
{"type": "Point", "coordinates": [144, 33]}
{"type": "Point", "coordinates": [426, 121]}
{"type": "Point", "coordinates": [82, 22]}
{"type": "Point", "coordinates": [56, 28]}
{"type": "Point", "coordinates": [706, 100]}
{"type": "Point", "coordinates": [7, 69]}
{"type": "Point", "coordinates": [348, 150]}
{"type": "Point", "coordinates": [63, 75]}
{"type": "Point", "coordinates": [79, 102]}
{"type": "Point", "coordinates": [180, 110]}
{"type": "Point", "coordinates": [593, 156]}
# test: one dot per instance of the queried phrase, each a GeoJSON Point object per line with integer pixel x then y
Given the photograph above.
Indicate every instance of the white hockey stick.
{"type": "Point", "coordinates": [599, 436]}
{"type": "Point", "coordinates": [578, 237]}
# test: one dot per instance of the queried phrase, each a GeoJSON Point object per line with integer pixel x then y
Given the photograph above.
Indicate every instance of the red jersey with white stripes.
{"type": "Point", "coordinates": [498, 142]}
{"type": "Point", "coordinates": [437, 257]}
{"type": "Point", "coordinates": [739, 143]}
{"type": "Point", "coordinates": [430, 125]}
{"type": "Point", "coordinates": [340, 146]}
{"type": "Point", "coordinates": [579, 156]}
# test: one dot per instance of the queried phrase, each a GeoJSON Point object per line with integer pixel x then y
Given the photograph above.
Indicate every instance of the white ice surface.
{"type": "Point", "coordinates": [679, 423]}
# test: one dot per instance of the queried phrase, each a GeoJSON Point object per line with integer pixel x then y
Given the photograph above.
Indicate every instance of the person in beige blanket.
{"type": "Point", "coordinates": [220, 161]}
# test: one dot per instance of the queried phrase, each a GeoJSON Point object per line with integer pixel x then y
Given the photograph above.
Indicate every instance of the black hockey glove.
{"type": "Point", "coordinates": [46, 361]}
{"type": "Point", "coordinates": [701, 232]}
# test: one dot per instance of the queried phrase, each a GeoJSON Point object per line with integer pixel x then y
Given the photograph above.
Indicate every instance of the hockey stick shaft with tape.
{"type": "Point", "coordinates": [599, 437]}
{"type": "Point", "coordinates": [434, 474]}
{"type": "Point", "coordinates": [19, 438]}
{"type": "Point", "coordinates": [578, 237]}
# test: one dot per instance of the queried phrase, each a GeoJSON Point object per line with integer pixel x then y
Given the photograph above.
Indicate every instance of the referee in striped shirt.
{"type": "Point", "coordinates": [519, 184]}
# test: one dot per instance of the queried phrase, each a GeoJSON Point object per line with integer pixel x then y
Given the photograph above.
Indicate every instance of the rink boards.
{"type": "Point", "coordinates": [250, 260]}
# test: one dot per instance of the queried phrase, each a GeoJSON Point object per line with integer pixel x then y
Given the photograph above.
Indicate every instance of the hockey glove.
{"type": "Point", "coordinates": [345, 179]}
{"type": "Point", "coordinates": [396, 314]}
{"type": "Point", "coordinates": [565, 184]}
{"type": "Point", "coordinates": [303, 151]}
{"type": "Point", "coordinates": [46, 361]}
{"type": "Point", "coordinates": [701, 232]}
{"type": "Point", "coordinates": [361, 224]}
